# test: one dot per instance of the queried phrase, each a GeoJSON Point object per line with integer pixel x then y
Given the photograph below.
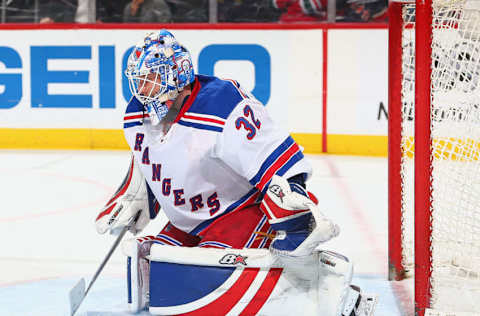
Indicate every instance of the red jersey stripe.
{"type": "Point", "coordinates": [205, 119]}
{"type": "Point", "coordinates": [191, 98]}
{"type": "Point", "coordinates": [238, 88]}
{"type": "Point", "coordinates": [277, 165]}
{"type": "Point", "coordinates": [132, 117]}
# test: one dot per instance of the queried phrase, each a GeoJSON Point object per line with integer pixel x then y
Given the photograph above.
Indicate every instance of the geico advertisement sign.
{"type": "Point", "coordinates": [40, 76]}
{"type": "Point", "coordinates": [74, 78]}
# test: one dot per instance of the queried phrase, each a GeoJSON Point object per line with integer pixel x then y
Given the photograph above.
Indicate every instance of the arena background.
{"type": "Point", "coordinates": [62, 85]}
{"type": "Point", "coordinates": [62, 88]}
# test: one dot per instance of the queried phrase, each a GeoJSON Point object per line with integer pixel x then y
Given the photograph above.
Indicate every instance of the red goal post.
{"type": "Point", "coordinates": [434, 150]}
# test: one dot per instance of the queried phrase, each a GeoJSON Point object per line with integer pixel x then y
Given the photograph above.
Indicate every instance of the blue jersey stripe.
{"type": "Point", "coordinates": [170, 239]}
{"type": "Point", "coordinates": [214, 243]}
{"type": "Point", "coordinates": [264, 241]}
{"type": "Point", "coordinates": [259, 226]}
{"type": "Point", "coordinates": [232, 207]}
{"type": "Point", "coordinates": [271, 159]}
{"type": "Point", "coordinates": [293, 160]}
{"type": "Point", "coordinates": [201, 126]}
{"type": "Point", "coordinates": [132, 124]}
{"type": "Point", "coordinates": [290, 162]}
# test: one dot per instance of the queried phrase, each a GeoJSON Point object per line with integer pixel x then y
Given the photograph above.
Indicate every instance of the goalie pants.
{"type": "Point", "coordinates": [244, 228]}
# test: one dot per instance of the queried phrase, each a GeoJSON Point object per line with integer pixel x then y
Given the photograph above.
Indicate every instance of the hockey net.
{"type": "Point", "coordinates": [434, 152]}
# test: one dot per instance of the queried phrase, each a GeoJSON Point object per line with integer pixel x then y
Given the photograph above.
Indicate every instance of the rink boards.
{"type": "Point", "coordinates": [63, 87]}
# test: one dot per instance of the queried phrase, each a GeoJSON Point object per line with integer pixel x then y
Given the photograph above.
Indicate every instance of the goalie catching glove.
{"type": "Point", "coordinates": [300, 225]}
{"type": "Point", "coordinates": [132, 196]}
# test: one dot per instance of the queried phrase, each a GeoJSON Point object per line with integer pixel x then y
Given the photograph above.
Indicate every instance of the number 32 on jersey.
{"type": "Point", "coordinates": [248, 122]}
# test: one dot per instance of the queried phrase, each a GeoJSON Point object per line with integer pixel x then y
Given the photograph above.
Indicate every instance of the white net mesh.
{"type": "Point", "coordinates": [408, 115]}
{"type": "Point", "coordinates": [455, 126]}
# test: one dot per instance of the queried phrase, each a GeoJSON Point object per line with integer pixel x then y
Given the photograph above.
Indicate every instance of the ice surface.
{"type": "Point", "coordinates": [48, 240]}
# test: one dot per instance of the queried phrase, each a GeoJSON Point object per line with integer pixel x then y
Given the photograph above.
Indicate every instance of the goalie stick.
{"type": "Point", "coordinates": [78, 292]}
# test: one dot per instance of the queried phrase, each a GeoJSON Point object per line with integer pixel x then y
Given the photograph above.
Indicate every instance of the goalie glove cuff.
{"type": "Point", "coordinates": [286, 205]}
{"type": "Point", "coordinates": [300, 225]}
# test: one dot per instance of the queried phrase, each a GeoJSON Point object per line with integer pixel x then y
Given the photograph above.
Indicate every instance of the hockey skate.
{"type": "Point", "coordinates": [359, 303]}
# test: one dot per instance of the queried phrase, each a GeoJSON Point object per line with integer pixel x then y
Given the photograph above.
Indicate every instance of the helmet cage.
{"type": "Point", "coordinates": [152, 84]}
{"type": "Point", "coordinates": [158, 69]}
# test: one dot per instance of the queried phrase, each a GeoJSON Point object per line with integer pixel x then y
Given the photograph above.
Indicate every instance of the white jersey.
{"type": "Point", "coordinates": [219, 154]}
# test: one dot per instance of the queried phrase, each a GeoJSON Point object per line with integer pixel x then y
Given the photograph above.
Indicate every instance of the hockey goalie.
{"type": "Point", "coordinates": [244, 234]}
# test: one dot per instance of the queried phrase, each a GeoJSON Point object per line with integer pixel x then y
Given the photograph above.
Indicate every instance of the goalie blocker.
{"type": "Point", "coordinates": [205, 281]}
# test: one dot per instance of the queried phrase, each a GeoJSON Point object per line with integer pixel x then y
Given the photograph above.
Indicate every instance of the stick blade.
{"type": "Point", "coordinates": [76, 295]}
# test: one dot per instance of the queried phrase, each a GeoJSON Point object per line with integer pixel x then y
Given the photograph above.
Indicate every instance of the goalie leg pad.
{"type": "Point", "coordinates": [208, 281]}
{"type": "Point", "coordinates": [138, 266]}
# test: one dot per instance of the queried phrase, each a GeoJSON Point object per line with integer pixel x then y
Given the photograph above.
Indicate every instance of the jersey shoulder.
{"type": "Point", "coordinates": [217, 97]}
{"type": "Point", "coordinates": [214, 99]}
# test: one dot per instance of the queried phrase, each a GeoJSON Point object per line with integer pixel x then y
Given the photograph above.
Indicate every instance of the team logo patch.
{"type": "Point", "coordinates": [277, 190]}
{"type": "Point", "coordinates": [233, 259]}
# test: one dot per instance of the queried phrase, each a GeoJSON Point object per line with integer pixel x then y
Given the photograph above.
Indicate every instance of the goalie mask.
{"type": "Point", "coordinates": [157, 70]}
